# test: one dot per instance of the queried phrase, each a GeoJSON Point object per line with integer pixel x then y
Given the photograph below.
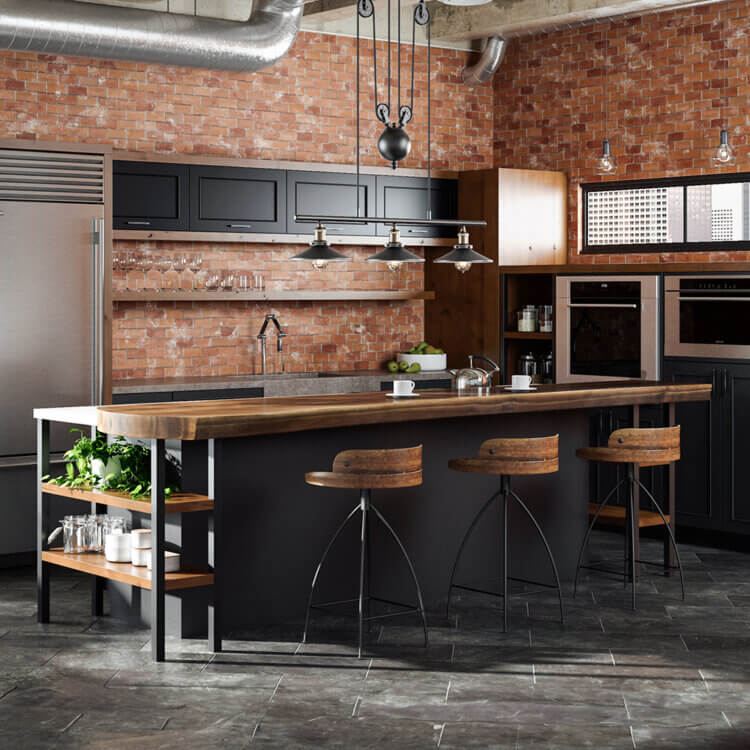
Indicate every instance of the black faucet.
{"type": "Point", "coordinates": [280, 333]}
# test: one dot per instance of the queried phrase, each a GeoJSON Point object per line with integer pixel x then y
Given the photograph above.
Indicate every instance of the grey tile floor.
{"type": "Point", "coordinates": [671, 675]}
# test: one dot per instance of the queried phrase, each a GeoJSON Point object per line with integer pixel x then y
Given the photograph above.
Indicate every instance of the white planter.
{"type": "Point", "coordinates": [428, 362]}
{"type": "Point", "coordinates": [102, 470]}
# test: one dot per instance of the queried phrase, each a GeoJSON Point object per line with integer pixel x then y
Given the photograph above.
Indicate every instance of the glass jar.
{"type": "Point", "coordinates": [527, 365]}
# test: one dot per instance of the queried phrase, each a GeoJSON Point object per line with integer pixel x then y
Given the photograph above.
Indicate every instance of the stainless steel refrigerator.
{"type": "Point", "coordinates": [51, 291]}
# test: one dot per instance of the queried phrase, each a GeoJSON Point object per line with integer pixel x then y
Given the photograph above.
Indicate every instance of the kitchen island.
{"type": "Point", "coordinates": [248, 457]}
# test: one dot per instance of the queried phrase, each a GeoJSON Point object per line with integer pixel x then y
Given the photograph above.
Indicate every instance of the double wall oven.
{"type": "Point", "coordinates": [607, 328]}
{"type": "Point", "coordinates": [707, 316]}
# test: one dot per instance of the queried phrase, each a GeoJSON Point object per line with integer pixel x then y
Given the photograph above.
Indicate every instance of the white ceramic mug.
{"type": "Point", "coordinates": [521, 382]}
{"type": "Point", "coordinates": [403, 387]}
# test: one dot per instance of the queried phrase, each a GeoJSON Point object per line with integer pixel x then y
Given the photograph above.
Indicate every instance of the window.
{"type": "Point", "coordinates": [669, 215]}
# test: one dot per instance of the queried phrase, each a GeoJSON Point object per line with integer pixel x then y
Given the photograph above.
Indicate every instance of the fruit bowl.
{"type": "Point", "coordinates": [428, 362]}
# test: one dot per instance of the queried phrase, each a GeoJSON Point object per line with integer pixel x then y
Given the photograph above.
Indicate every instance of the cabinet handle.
{"type": "Point", "coordinates": [138, 223]}
{"type": "Point", "coordinates": [416, 231]}
{"type": "Point", "coordinates": [713, 381]}
{"type": "Point", "coordinates": [726, 382]}
{"type": "Point", "coordinates": [240, 226]}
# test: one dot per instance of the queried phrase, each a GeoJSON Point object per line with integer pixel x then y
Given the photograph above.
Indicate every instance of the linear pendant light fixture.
{"type": "Point", "coordinates": [394, 145]}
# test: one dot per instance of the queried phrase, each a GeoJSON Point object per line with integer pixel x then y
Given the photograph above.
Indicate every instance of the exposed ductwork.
{"type": "Point", "coordinates": [489, 61]}
{"type": "Point", "coordinates": [82, 29]}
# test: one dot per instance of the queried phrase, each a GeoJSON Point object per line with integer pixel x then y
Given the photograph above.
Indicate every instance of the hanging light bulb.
{"type": "Point", "coordinates": [394, 254]}
{"type": "Point", "coordinates": [320, 253]}
{"type": "Point", "coordinates": [724, 154]}
{"type": "Point", "coordinates": [606, 163]}
{"type": "Point", "coordinates": [463, 254]}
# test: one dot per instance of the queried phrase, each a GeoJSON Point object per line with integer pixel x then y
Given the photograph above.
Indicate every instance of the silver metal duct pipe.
{"type": "Point", "coordinates": [492, 55]}
{"type": "Point", "coordinates": [82, 29]}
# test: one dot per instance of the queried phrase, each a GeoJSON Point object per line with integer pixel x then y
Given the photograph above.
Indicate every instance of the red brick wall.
{"type": "Point", "coordinates": [666, 73]}
{"type": "Point", "coordinates": [301, 110]}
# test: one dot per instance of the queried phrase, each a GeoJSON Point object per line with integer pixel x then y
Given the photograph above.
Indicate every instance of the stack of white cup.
{"type": "Point", "coordinates": [141, 548]}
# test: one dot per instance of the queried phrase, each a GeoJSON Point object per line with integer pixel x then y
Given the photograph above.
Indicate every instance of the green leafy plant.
{"type": "Point", "coordinates": [134, 477]}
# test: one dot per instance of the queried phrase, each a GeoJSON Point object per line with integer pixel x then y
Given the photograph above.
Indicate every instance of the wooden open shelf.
{"type": "Point", "coordinates": [97, 565]}
{"type": "Point", "coordinates": [615, 516]}
{"type": "Point", "coordinates": [181, 502]}
{"type": "Point", "coordinates": [172, 295]}
{"type": "Point", "coordinates": [528, 335]}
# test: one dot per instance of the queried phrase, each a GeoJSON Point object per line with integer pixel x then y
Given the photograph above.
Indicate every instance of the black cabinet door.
{"type": "Point", "coordinates": [329, 194]}
{"type": "Point", "coordinates": [406, 198]}
{"type": "Point", "coordinates": [702, 465]}
{"type": "Point", "coordinates": [155, 397]}
{"type": "Point", "coordinates": [735, 386]}
{"type": "Point", "coordinates": [235, 199]}
{"type": "Point", "coordinates": [150, 196]}
{"type": "Point", "coordinates": [217, 393]}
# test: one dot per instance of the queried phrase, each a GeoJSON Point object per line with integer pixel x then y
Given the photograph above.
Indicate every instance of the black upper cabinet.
{"type": "Point", "coordinates": [329, 194]}
{"type": "Point", "coordinates": [150, 196]}
{"type": "Point", "coordinates": [406, 198]}
{"type": "Point", "coordinates": [236, 199]}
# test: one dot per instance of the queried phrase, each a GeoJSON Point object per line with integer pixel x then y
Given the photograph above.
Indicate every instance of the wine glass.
{"type": "Point", "coordinates": [178, 264]}
{"type": "Point", "coordinates": [163, 264]}
{"type": "Point", "coordinates": [195, 264]}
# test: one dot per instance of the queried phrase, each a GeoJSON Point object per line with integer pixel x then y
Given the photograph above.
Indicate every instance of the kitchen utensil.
{"type": "Point", "coordinates": [520, 382]}
{"type": "Point", "coordinates": [527, 364]}
{"type": "Point", "coordinates": [141, 538]}
{"type": "Point", "coordinates": [117, 548]}
{"type": "Point", "coordinates": [474, 377]}
{"type": "Point", "coordinates": [141, 557]}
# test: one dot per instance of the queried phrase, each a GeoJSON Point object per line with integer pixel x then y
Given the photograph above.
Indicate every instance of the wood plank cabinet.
{"type": "Point", "coordinates": [150, 196]}
{"type": "Point", "coordinates": [329, 194]}
{"type": "Point", "coordinates": [713, 475]}
{"type": "Point", "coordinates": [407, 198]}
{"type": "Point", "coordinates": [236, 199]}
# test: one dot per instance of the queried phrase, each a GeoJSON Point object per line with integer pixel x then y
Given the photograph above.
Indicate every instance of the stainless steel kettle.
{"type": "Point", "coordinates": [474, 378]}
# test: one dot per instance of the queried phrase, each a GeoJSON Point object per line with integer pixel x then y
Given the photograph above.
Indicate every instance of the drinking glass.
{"type": "Point", "coordinates": [179, 264]}
{"type": "Point", "coordinates": [243, 283]}
{"type": "Point", "coordinates": [213, 281]}
{"type": "Point", "coordinates": [162, 264]}
{"type": "Point", "coordinates": [259, 283]}
{"type": "Point", "coordinates": [195, 264]}
{"type": "Point", "coordinates": [227, 282]}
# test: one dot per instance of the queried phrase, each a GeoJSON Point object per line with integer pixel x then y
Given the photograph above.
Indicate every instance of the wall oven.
{"type": "Point", "coordinates": [707, 316]}
{"type": "Point", "coordinates": [607, 328]}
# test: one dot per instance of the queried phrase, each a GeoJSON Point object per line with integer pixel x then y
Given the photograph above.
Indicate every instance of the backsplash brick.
{"type": "Point", "coordinates": [299, 110]}
{"type": "Point", "coordinates": [663, 95]}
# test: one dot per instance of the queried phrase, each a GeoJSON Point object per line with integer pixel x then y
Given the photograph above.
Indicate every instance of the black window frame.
{"type": "Point", "coordinates": [660, 247]}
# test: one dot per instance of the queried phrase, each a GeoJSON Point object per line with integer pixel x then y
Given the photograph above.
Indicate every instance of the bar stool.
{"type": "Point", "coordinates": [366, 470]}
{"type": "Point", "coordinates": [507, 457]}
{"type": "Point", "coordinates": [657, 446]}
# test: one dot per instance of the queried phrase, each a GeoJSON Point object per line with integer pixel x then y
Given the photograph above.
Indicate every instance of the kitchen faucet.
{"type": "Point", "coordinates": [280, 333]}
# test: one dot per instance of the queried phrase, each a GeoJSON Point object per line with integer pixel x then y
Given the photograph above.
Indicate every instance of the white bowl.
{"type": "Point", "coordinates": [428, 362]}
{"type": "Point", "coordinates": [171, 562]}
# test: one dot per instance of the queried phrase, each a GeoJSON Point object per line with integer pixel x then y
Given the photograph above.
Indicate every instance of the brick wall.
{"type": "Point", "coordinates": [664, 96]}
{"type": "Point", "coordinates": [300, 110]}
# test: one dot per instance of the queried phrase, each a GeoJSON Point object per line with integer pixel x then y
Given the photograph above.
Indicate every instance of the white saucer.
{"type": "Point", "coordinates": [402, 395]}
{"type": "Point", "coordinates": [518, 390]}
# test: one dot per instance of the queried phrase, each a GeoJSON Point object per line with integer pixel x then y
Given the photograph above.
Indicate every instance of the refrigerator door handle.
{"type": "Point", "coordinates": [97, 328]}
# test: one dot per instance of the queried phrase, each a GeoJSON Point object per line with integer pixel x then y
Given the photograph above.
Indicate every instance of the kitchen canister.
{"type": "Point", "coordinates": [141, 557]}
{"type": "Point", "coordinates": [141, 538]}
{"type": "Point", "coordinates": [171, 562]}
{"type": "Point", "coordinates": [117, 548]}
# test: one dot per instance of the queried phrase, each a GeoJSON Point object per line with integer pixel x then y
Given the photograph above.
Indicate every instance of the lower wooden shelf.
{"type": "Point", "coordinates": [615, 515]}
{"type": "Point", "coordinates": [97, 565]}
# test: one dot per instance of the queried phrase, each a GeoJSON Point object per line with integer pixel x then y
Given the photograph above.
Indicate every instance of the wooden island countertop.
{"type": "Point", "coordinates": [228, 418]}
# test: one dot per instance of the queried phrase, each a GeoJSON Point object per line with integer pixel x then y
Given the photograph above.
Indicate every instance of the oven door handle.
{"type": "Point", "coordinates": [628, 306]}
{"type": "Point", "coordinates": [714, 299]}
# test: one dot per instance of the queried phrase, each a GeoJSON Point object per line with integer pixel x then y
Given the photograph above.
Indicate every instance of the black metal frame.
{"type": "Point", "coordinates": [363, 600]}
{"type": "Point", "coordinates": [158, 545]}
{"type": "Point", "coordinates": [506, 493]}
{"type": "Point", "coordinates": [630, 558]}
{"type": "Point", "coordinates": [659, 247]}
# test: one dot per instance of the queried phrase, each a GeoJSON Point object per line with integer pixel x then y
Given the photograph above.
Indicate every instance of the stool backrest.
{"type": "Point", "coordinates": [647, 438]}
{"type": "Point", "coordinates": [522, 449]}
{"type": "Point", "coordinates": [386, 461]}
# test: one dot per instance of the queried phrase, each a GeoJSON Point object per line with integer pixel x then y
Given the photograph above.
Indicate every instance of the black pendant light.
{"type": "Point", "coordinates": [463, 255]}
{"type": "Point", "coordinates": [394, 254]}
{"type": "Point", "coordinates": [320, 253]}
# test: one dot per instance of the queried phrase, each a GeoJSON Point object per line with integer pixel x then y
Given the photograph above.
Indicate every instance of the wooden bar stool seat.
{"type": "Point", "coordinates": [365, 470]}
{"type": "Point", "coordinates": [504, 458]}
{"type": "Point", "coordinates": [633, 447]}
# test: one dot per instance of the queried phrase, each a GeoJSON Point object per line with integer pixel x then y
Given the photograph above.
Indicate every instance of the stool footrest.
{"type": "Point", "coordinates": [510, 578]}
{"type": "Point", "coordinates": [615, 516]}
{"type": "Point", "coordinates": [405, 609]}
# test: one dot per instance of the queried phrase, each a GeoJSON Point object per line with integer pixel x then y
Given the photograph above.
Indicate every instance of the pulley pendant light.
{"type": "Point", "coordinates": [319, 253]}
{"type": "Point", "coordinates": [606, 163]}
{"type": "Point", "coordinates": [463, 255]}
{"type": "Point", "coordinates": [723, 155]}
{"type": "Point", "coordinates": [394, 254]}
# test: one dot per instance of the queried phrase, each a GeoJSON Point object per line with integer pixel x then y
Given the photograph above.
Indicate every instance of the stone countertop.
{"type": "Point", "coordinates": [297, 383]}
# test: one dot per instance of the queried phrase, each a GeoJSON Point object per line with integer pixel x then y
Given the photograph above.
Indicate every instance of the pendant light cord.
{"type": "Point", "coordinates": [429, 117]}
{"type": "Point", "coordinates": [388, 48]}
{"type": "Point", "coordinates": [356, 109]}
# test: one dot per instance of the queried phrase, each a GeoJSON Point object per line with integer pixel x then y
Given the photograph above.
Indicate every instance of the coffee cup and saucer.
{"type": "Point", "coordinates": [520, 384]}
{"type": "Point", "coordinates": [403, 389]}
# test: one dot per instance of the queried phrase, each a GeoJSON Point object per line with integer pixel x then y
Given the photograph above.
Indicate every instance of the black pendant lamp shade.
{"type": "Point", "coordinates": [320, 253]}
{"type": "Point", "coordinates": [463, 254]}
{"type": "Point", "coordinates": [394, 253]}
